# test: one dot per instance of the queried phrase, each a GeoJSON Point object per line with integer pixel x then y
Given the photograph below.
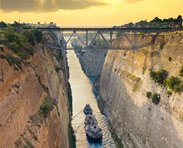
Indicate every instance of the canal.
{"type": "Point", "coordinates": [82, 94]}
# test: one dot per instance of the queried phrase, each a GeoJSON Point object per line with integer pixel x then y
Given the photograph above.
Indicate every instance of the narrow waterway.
{"type": "Point", "coordinates": [82, 94]}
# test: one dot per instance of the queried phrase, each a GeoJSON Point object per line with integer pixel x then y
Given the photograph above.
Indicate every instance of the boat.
{"type": "Point", "coordinates": [93, 133]}
{"type": "Point", "coordinates": [90, 120]}
{"type": "Point", "coordinates": [88, 110]}
{"type": "Point", "coordinates": [92, 130]}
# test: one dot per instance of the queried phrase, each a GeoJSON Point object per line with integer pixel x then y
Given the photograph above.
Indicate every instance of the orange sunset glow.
{"type": "Point", "coordinates": [87, 12]}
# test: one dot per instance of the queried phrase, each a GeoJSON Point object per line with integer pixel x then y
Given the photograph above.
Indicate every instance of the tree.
{"type": "Point", "coordinates": [179, 21]}
{"type": "Point", "coordinates": [179, 18]}
{"type": "Point", "coordinates": [174, 83]}
{"type": "Point", "coordinates": [130, 25]}
{"type": "Point", "coordinates": [142, 24]}
{"type": "Point", "coordinates": [16, 24]}
{"type": "Point", "coordinates": [29, 37]}
{"type": "Point", "coordinates": [156, 19]}
{"type": "Point", "coordinates": [38, 35]}
{"type": "Point", "coordinates": [3, 24]}
{"type": "Point", "coordinates": [155, 98]}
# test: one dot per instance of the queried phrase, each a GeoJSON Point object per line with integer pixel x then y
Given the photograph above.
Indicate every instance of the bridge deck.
{"type": "Point", "coordinates": [110, 29]}
{"type": "Point", "coordinates": [116, 29]}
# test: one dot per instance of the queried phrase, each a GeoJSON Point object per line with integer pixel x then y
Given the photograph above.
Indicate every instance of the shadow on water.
{"type": "Point", "coordinates": [81, 95]}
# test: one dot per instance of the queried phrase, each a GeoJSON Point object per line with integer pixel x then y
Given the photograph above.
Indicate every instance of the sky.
{"type": "Point", "coordinates": [88, 12]}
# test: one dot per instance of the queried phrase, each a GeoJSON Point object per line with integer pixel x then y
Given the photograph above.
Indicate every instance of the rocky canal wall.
{"type": "Point", "coordinates": [129, 84]}
{"type": "Point", "coordinates": [34, 99]}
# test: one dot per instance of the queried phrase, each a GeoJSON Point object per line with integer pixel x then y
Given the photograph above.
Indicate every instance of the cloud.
{"type": "Point", "coordinates": [132, 1]}
{"type": "Point", "coordinates": [46, 5]}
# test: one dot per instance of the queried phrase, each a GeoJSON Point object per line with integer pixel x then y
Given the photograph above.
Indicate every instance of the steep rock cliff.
{"type": "Point", "coordinates": [23, 89]}
{"type": "Point", "coordinates": [124, 82]}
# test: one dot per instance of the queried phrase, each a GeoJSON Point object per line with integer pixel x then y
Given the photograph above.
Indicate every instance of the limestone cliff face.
{"type": "Point", "coordinates": [124, 82]}
{"type": "Point", "coordinates": [92, 61]}
{"type": "Point", "coordinates": [22, 92]}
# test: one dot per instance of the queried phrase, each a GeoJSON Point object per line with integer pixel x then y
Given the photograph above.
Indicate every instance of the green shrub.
{"type": "Point", "coordinates": [29, 37]}
{"type": "Point", "coordinates": [181, 72]}
{"type": "Point", "coordinates": [38, 35]}
{"type": "Point", "coordinates": [14, 46]}
{"type": "Point", "coordinates": [159, 76]}
{"type": "Point", "coordinates": [148, 95]}
{"type": "Point", "coordinates": [46, 106]}
{"type": "Point", "coordinates": [25, 53]}
{"type": "Point", "coordinates": [174, 83]}
{"type": "Point", "coordinates": [36, 119]}
{"type": "Point", "coordinates": [44, 111]}
{"type": "Point", "coordinates": [170, 59]}
{"type": "Point", "coordinates": [22, 43]}
{"type": "Point", "coordinates": [10, 35]}
{"type": "Point", "coordinates": [28, 143]}
{"type": "Point", "coordinates": [155, 98]}
{"type": "Point", "coordinates": [22, 54]}
{"type": "Point", "coordinates": [16, 62]}
{"type": "Point", "coordinates": [169, 93]}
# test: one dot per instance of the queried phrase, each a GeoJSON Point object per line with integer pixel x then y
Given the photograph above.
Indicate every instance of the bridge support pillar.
{"type": "Point", "coordinates": [62, 33]}
{"type": "Point", "coordinates": [86, 38]}
{"type": "Point", "coordinates": [111, 34]}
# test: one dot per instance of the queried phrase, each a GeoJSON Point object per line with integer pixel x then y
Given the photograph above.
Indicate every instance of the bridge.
{"type": "Point", "coordinates": [103, 37]}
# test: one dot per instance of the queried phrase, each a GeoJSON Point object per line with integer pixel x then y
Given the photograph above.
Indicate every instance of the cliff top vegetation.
{"type": "Point", "coordinates": [21, 42]}
{"type": "Point", "coordinates": [157, 22]}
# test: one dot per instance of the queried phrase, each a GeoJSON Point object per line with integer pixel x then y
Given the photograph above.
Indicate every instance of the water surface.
{"type": "Point", "coordinates": [82, 94]}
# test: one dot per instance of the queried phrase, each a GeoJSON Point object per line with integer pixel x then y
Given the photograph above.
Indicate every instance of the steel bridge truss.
{"type": "Point", "coordinates": [87, 43]}
{"type": "Point", "coordinates": [108, 43]}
